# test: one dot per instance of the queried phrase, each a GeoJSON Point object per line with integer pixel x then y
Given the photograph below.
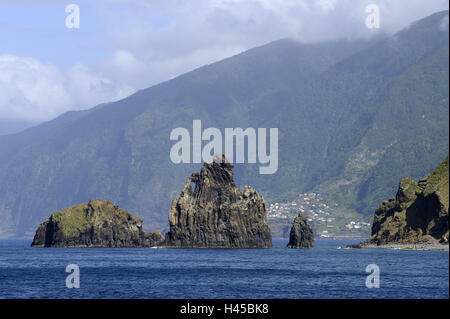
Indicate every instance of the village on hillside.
{"type": "Point", "coordinates": [327, 219]}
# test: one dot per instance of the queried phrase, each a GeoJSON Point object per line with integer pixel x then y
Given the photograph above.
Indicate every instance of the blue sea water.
{"type": "Point", "coordinates": [322, 272]}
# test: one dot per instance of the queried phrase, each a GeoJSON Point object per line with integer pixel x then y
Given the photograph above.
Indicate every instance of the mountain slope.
{"type": "Point", "coordinates": [397, 118]}
{"type": "Point", "coordinates": [120, 151]}
{"type": "Point", "coordinates": [345, 111]}
{"type": "Point", "coordinates": [406, 133]}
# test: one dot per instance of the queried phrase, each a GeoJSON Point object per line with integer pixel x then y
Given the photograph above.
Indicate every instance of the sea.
{"type": "Point", "coordinates": [323, 272]}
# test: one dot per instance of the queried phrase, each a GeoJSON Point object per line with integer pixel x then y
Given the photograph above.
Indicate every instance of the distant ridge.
{"type": "Point", "coordinates": [353, 117]}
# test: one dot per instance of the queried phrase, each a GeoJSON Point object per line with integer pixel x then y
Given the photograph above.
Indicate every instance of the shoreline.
{"type": "Point", "coordinates": [401, 246]}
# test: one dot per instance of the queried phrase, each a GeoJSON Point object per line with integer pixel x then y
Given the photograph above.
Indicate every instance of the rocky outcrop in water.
{"type": "Point", "coordinates": [211, 212]}
{"type": "Point", "coordinates": [418, 214]}
{"type": "Point", "coordinates": [301, 235]}
{"type": "Point", "coordinates": [96, 224]}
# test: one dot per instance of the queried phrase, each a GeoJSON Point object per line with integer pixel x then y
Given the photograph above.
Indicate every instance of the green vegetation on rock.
{"type": "Point", "coordinates": [418, 213]}
{"type": "Point", "coordinates": [98, 223]}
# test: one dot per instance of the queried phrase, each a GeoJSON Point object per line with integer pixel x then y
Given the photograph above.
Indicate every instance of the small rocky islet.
{"type": "Point", "coordinates": [98, 223]}
{"type": "Point", "coordinates": [301, 235]}
{"type": "Point", "coordinates": [211, 212]}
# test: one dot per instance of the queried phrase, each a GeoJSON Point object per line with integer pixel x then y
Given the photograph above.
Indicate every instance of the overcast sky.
{"type": "Point", "coordinates": [126, 45]}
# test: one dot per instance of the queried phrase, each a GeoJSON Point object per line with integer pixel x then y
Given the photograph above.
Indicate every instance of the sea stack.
{"type": "Point", "coordinates": [211, 212]}
{"type": "Point", "coordinates": [417, 216]}
{"type": "Point", "coordinates": [301, 235]}
{"type": "Point", "coordinates": [98, 223]}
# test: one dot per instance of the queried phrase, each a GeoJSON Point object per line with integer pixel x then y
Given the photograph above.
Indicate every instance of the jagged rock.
{"type": "Point", "coordinates": [96, 224]}
{"type": "Point", "coordinates": [417, 214]}
{"type": "Point", "coordinates": [214, 213]}
{"type": "Point", "coordinates": [301, 235]}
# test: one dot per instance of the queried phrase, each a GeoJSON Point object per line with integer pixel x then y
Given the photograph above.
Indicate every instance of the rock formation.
{"type": "Point", "coordinates": [417, 214]}
{"type": "Point", "coordinates": [212, 212]}
{"type": "Point", "coordinates": [301, 235]}
{"type": "Point", "coordinates": [96, 224]}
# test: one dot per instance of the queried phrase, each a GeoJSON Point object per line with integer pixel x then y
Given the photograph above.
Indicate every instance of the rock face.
{"type": "Point", "coordinates": [417, 214]}
{"type": "Point", "coordinates": [301, 235]}
{"type": "Point", "coordinates": [212, 212]}
{"type": "Point", "coordinates": [96, 224]}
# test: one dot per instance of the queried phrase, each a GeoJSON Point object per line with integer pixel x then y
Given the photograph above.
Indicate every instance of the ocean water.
{"type": "Point", "coordinates": [322, 272]}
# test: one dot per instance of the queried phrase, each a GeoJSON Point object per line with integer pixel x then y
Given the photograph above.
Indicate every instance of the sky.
{"type": "Point", "coordinates": [122, 46]}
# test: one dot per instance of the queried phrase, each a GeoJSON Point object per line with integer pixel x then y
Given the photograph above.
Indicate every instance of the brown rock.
{"type": "Point", "coordinates": [301, 235]}
{"type": "Point", "coordinates": [211, 212]}
{"type": "Point", "coordinates": [98, 223]}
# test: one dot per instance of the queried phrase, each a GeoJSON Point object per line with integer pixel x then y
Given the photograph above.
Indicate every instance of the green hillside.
{"type": "Point", "coordinates": [353, 117]}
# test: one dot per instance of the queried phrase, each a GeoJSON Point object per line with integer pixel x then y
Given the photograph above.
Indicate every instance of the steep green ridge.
{"type": "Point", "coordinates": [372, 118]}
{"type": "Point", "coordinates": [407, 123]}
{"type": "Point", "coordinates": [353, 117]}
{"type": "Point", "coordinates": [418, 213]}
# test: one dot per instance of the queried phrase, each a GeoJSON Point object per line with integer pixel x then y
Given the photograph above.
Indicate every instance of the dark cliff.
{"type": "Point", "coordinates": [214, 213]}
{"type": "Point", "coordinates": [96, 224]}
{"type": "Point", "coordinates": [301, 235]}
{"type": "Point", "coordinates": [417, 214]}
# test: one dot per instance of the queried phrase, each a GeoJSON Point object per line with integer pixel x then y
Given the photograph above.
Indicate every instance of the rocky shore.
{"type": "Point", "coordinates": [397, 246]}
{"type": "Point", "coordinates": [417, 217]}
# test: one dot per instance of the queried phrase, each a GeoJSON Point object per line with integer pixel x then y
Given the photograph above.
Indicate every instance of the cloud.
{"type": "Point", "coordinates": [152, 41]}
{"type": "Point", "coordinates": [443, 26]}
{"type": "Point", "coordinates": [187, 36]}
{"type": "Point", "coordinates": [35, 91]}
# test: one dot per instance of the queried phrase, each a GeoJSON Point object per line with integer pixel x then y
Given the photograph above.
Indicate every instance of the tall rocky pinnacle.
{"type": "Point", "coordinates": [211, 212]}
{"type": "Point", "coordinates": [417, 214]}
{"type": "Point", "coordinates": [301, 235]}
{"type": "Point", "coordinates": [98, 223]}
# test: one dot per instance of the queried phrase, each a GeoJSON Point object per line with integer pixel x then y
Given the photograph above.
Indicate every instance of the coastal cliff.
{"type": "Point", "coordinates": [211, 212]}
{"type": "Point", "coordinates": [301, 235]}
{"type": "Point", "coordinates": [98, 223]}
{"type": "Point", "coordinates": [417, 215]}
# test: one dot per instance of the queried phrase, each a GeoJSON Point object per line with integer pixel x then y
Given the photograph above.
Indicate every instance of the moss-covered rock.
{"type": "Point", "coordinates": [98, 223]}
{"type": "Point", "coordinates": [418, 213]}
